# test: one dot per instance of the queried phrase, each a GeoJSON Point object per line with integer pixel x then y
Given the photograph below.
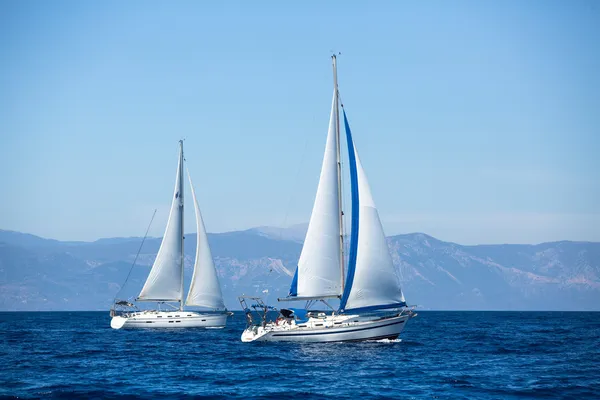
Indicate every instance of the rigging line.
{"type": "Point", "coordinates": [137, 255]}
{"type": "Point", "coordinates": [289, 204]}
{"type": "Point", "coordinates": [343, 183]}
{"type": "Point", "coordinates": [328, 305]}
{"type": "Point", "coordinates": [345, 210]}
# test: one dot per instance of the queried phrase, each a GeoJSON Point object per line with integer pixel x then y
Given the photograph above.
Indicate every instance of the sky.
{"type": "Point", "coordinates": [476, 121]}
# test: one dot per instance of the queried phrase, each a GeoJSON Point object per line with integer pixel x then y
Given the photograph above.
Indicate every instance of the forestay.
{"type": "Point", "coordinates": [205, 290]}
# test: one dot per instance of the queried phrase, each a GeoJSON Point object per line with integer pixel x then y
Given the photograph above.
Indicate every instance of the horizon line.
{"type": "Point", "coordinates": [295, 241]}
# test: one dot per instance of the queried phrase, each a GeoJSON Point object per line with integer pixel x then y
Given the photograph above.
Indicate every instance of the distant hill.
{"type": "Point", "coordinates": [45, 274]}
{"type": "Point", "coordinates": [295, 233]}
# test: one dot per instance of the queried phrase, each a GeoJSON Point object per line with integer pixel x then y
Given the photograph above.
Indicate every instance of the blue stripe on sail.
{"type": "Point", "coordinates": [355, 210]}
{"type": "Point", "coordinates": [294, 287]}
{"type": "Point", "coordinates": [373, 308]}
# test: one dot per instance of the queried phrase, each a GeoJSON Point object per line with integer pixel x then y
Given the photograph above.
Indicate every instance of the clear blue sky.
{"type": "Point", "coordinates": [476, 121]}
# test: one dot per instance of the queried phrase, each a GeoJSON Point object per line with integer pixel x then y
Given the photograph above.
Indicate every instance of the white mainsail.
{"type": "Point", "coordinates": [165, 281]}
{"type": "Point", "coordinates": [318, 271]}
{"type": "Point", "coordinates": [205, 290]}
{"type": "Point", "coordinates": [375, 282]}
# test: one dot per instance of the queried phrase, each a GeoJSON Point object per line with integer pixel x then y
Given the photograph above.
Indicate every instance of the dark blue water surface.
{"type": "Point", "coordinates": [440, 355]}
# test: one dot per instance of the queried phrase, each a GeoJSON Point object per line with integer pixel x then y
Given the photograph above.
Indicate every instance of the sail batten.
{"type": "Point", "coordinates": [205, 290]}
{"type": "Point", "coordinates": [165, 281]}
{"type": "Point", "coordinates": [318, 272]}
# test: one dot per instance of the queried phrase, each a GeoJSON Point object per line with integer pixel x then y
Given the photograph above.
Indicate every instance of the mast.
{"type": "Point", "coordinates": [339, 167]}
{"type": "Point", "coordinates": [182, 230]}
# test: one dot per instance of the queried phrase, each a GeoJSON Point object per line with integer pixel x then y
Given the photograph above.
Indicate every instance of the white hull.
{"type": "Point", "coordinates": [169, 319]}
{"type": "Point", "coordinates": [339, 328]}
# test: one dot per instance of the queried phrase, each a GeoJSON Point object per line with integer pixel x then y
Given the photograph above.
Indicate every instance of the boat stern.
{"type": "Point", "coordinates": [117, 322]}
{"type": "Point", "coordinates": [254, 333]}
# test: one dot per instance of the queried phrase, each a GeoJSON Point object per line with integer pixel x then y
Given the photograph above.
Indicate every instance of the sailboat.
{"type": "Point", "coordinates": [371, 302]}
{"type": "Point", "coordinates": [164, 284]}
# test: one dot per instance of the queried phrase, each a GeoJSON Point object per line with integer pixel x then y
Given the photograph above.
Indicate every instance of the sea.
{"type": "Point", "coordinates": [439, 355]}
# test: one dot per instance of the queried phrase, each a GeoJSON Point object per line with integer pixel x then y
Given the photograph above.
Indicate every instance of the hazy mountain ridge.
{"type": "Point", "coordinates": [45, 274]}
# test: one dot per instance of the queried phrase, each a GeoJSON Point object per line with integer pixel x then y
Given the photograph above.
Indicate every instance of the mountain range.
{"type": "Point", "coordinates": [45, 274]}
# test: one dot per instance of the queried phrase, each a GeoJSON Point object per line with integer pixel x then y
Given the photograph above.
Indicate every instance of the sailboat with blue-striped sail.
{"type": "Point", "coordinates": [371, 303]}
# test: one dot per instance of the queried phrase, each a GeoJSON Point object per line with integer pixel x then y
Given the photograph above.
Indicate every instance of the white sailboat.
{"type": "Point", "coordinates": [165, 281]}
{"type": "Point", "coordinates": [371, 303]}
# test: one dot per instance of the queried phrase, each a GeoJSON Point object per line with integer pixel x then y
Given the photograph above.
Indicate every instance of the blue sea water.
{"type": "Point", "coordinates": [441, 355]}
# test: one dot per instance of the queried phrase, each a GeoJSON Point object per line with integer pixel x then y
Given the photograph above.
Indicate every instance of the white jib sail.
{"type": "Point", "coordinates": [319, 263]}
{"type": "Point", "coordinates": [375, 280]}
{"type": "Point", "coordinates": [165, 281]}
{"type": "Point", "coordinates": [205, 290]}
